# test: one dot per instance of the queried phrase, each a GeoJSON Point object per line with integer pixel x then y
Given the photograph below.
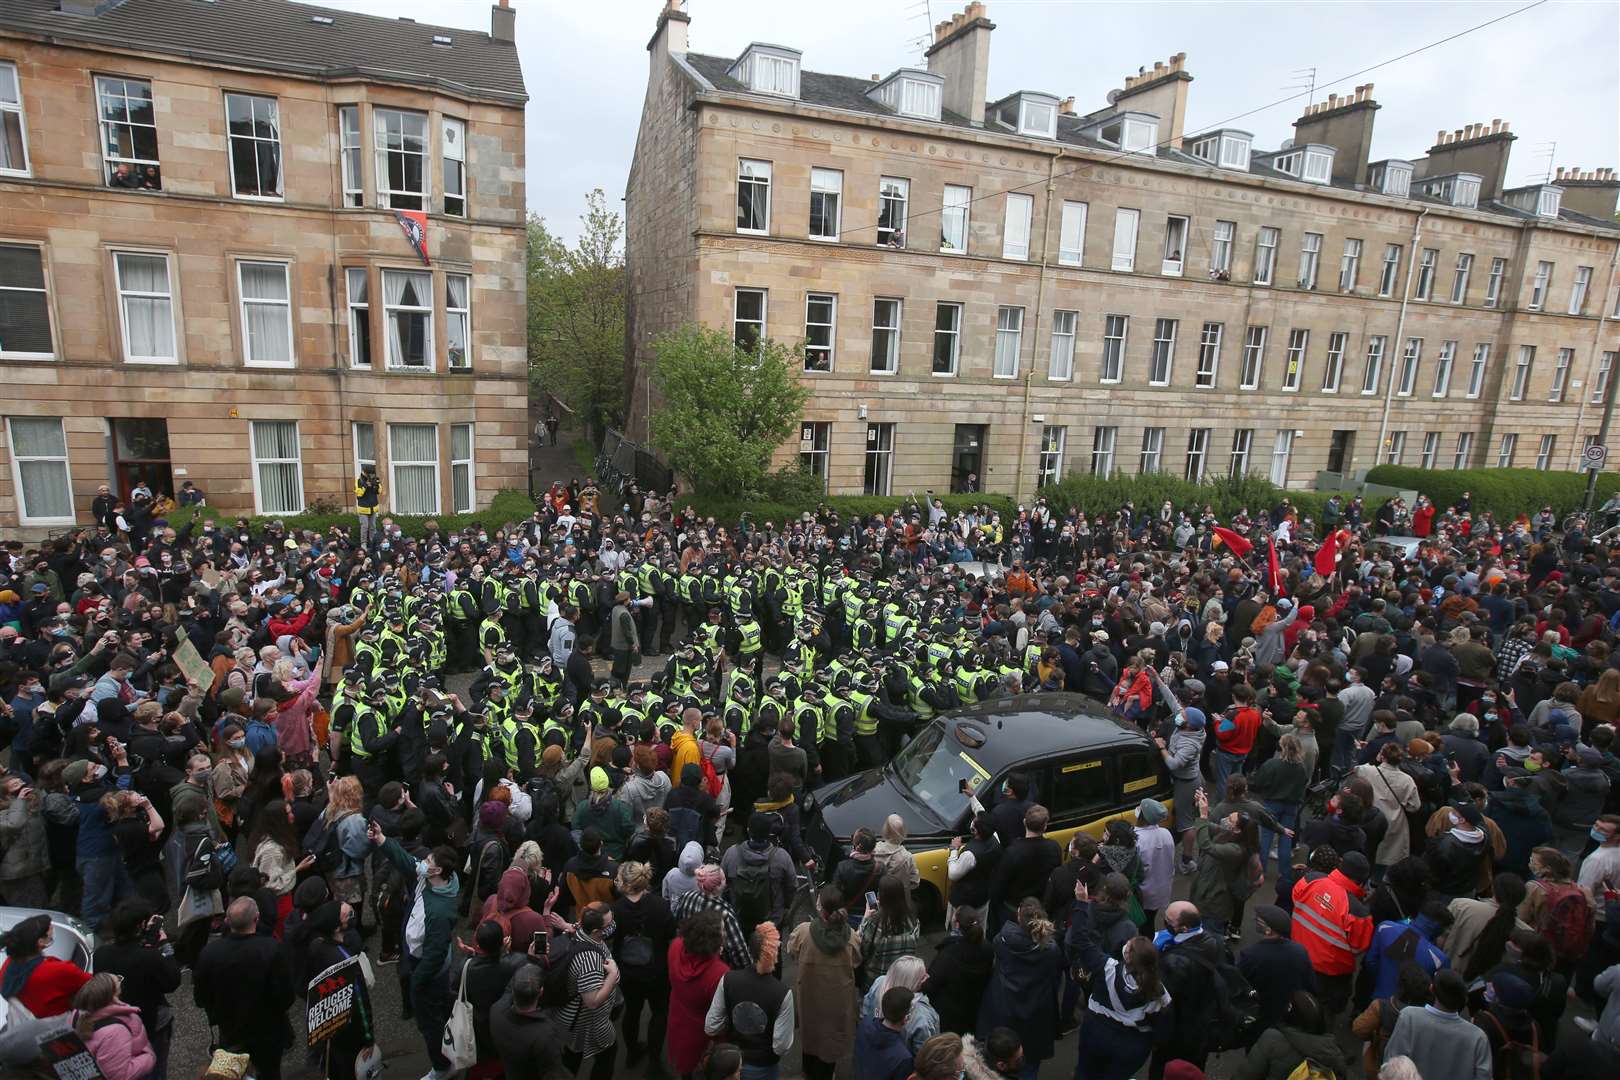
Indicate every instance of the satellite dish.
{"type": "Point", "coordinates": [1113, 96]}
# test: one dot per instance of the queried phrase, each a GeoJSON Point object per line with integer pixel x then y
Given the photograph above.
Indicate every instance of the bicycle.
{"type": "Point", "coordinates": [802, 906]}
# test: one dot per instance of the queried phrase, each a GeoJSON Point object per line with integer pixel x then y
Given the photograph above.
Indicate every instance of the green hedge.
{"type": "Point", "coordinates": [1225, 494]}
{"type": "Point", "coordinates": [1506, 493]}
{"type": "Point", "coordinates": [506, 507]}
{"type": "Point", "coordinates": [728, 511]}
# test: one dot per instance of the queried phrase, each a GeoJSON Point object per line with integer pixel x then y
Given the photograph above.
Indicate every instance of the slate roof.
{"type": "Point", "coordinates": [815, 88]}
{"type": "Point", "coordinates": [849, 93]}
{"type": "Point", "coordinates": [277, 35]}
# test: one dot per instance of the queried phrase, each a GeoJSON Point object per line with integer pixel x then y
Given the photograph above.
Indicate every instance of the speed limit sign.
{"type": "Point", "coordinates": [1594, 456]}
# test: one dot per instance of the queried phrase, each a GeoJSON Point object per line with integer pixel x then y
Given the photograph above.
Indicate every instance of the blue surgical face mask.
{"type": "Point", "coordinates": [1598, 834]}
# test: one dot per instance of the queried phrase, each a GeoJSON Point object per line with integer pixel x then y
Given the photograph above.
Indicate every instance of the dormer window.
{"type": "Point", "coordinates": [768, 69]}
{"type": "Point", "coordinates": [1312, 162]}
{"type": "Point", "coordinates": [1542, 200]}
{"type": "Point", "coordinates": [1038, 118]}
{"type": "Point", "coordinates": [1455, 189]}
{"type": "Point", "coordinates": [1226, 149]}
{"type": "Point", "coordinates": [910, 92]}
{"type": "Point", "coordinates": [1028, 113]}
{"type": "Point", "coordinates": [1391, 178]}
{"type": "Point", "coordinates": [1318, 166]}
{"type": "Point", "coordinates": [1132, 132]}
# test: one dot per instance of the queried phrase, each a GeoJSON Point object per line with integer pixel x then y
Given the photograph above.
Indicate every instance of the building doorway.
{"type": "Point", "coordinates": [1342, 451]}
{"type": "Point", "coordinates": [967, 458]}
{"type": "Point", "coordinates": [141, 456]}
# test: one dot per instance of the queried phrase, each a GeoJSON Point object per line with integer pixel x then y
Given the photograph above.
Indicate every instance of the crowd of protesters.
{"type": "Point", "coordinates": [233, 748]}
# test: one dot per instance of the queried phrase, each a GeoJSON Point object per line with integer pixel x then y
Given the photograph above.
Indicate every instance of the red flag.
{"type": "Point", "coordinates": [1327, 556]}
{"type": "Point", "coordinates": [414, 225]}
{"type": "Point", "coordinates": [1273, 572]}
{"type": "Point", "coordinates": [1240, 547]}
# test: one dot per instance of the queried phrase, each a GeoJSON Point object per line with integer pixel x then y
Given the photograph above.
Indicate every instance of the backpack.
{"type": "Point", "coordinates": [1566, 921]}
{"type": "Point", "coordinates": [557, 983]}
{"type": "Point", "coordinates": [686, 826]}
{"type": "Point", "coordinates": [711, 779]}
{"type": "Point", "coordinates": [205, 870]}
{"type": "Point", "coordinates": [1237, 1010]}
{"type": "Point", "coordinates": [1520, 1061]}
{"type": "Point", "coordinates": [1312, 1070]}
{"type": "Point", "coordinates": [547, 802]}
{"type": "Point", "coordinates": [321, 841]}
{"type": "Point", "coordinates": [751, 892]}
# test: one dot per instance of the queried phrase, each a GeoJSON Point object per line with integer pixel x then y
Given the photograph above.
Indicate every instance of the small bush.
{"type": "Point", "coordinates": [1506, 493]}
{"type": "Point", "coordinates": [1226, 495]}
{"type": "Point", "coordinates": [507, 507]}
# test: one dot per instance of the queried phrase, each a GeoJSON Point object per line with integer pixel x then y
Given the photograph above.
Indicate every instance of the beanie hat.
{"type": "Point", "coordinates": [1151, 811]}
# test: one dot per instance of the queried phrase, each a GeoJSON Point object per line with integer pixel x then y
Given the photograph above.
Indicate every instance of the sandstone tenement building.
{"type": "Point", "coordinates": [202, 274]}
{"type": "Point", "coordinates": [1014, 289]}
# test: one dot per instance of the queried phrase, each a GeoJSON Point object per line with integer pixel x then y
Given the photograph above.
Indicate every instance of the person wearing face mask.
{"type": "Point", "coordinates": [100, 866]}
{"type": "Point", "coordinates": [30, 695]}
{"type": "Point", "coordinates": [429, 936]}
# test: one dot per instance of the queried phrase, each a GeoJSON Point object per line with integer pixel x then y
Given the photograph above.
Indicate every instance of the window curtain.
{"type": "Point", "coordinates": [150, 319]}
{"type": "Point", "coordinates": [45, 490]}
{"type": "Point", "coordinates": [413, 451]}
{"type": "Point", "coordinates": [266, 313]}
{"type": "Point", "coordinates": [404, 290]}
{"type": "Point", "coordinates": [461, 468]}
{"type": "Point", "coordinates": [456, 330]}
{"type": "Point", "coordinates": [275, 450]}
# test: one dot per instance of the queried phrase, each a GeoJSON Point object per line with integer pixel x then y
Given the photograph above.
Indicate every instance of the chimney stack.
{"type": "Point", "coordinates": [669, 37]}
{"type": "Point", "coordinates": [1346, 124]}
{"type": "Point", "coordinates": [1066, 106]}
{"type": "Point", "coordinates": [1162, 92]}
{"type": "Point", "coordinates": [1592, 192]}
{"type": "Point", "coordinates": [961, 55]}
{"type": "Point", "coordinates": [1474, 148]}
{"type": "Point", "coordinates": [503, 23]}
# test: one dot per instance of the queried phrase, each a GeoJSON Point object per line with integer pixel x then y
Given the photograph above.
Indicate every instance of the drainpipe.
{"type": "Point", "coordinates": [1608, 391]}
{"type": "Point", "coordinates": [1400, 331]}
{"type": "Point", "coordinates": [1035, 337]}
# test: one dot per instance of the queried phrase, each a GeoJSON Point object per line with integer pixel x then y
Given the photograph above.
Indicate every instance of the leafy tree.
{"type": "Point", "coordinates": [724, 410]}
{"type": "Point", "coordinates": [577, 315]}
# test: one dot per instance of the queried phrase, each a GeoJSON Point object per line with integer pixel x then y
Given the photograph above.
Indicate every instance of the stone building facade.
{"type": "Point", "coordinates": [202, 274]}
{"type": "Point", "coordinates": [1011, 291]}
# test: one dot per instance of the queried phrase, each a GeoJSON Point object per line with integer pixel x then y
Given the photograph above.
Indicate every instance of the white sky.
{"type": "Point", "coordinates": [1550, 72]}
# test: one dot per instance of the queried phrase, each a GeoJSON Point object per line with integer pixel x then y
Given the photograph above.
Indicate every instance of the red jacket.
{"type": "Point", "coordinates": [1235, 734]}
{"type": "Point", "coordinates": [1331, 922]}
{"type": "Point", "coordinates": [291, 627]}
{"type": "Point", "coordinates": [50, 987]}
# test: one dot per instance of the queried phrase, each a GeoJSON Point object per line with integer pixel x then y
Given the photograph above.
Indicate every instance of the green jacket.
{"type": "Point", "coordinates": [611, 818]}
{"type": "Point", "coordinates": [439, 909]}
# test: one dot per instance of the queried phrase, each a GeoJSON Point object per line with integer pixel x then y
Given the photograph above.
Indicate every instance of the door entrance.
{"type": "Point", "coordinates": [1342, 451]}
{"type": "Point", "coordinates": [141, 456]}
{"type": "Point", "coordinates": [967, 458]}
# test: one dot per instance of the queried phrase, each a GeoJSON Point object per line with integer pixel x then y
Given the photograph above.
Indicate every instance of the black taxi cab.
{"type": "Point", "coordinates": [1086, 767]}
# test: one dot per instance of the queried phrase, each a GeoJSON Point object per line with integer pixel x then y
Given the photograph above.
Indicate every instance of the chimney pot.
{"type": "Point", "coordinates": [1560, 173]}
